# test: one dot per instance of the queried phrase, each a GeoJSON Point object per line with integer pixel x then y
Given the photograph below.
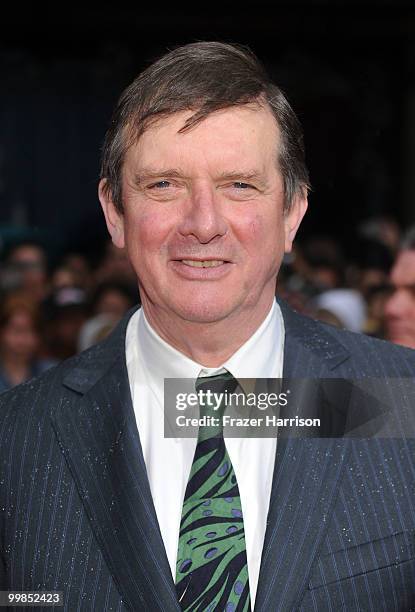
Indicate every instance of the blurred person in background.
{"type": "Point", "coordinates": [373, 261]}
{"type": "Point", "coordinates": [72, 270]}
{"type": "Point", "coordinates": [400, 307]}
{"type": "Point", "coordinates": [65, 313]}
{"type": "Point", "coordinates": [382, 229]}
{"type": "Point", "coordinates": [309, 270]}
{"type": "Point", "coordinates": [376, 298]}
{"type": "Point", "coordinates": [369, 273]}
{"type": "Point", "coordinates": [344, 308]}
{"type": "Point", "coordinates": [62, 277]}
{"type": "Point", "coordinates": [109, 304]}
{"type": "Point", "coordinates": [20, 342]}
{"type": "Point", "coordinates": [80, 269]}
{"type": "Point", "coordinates": [27, 262]}
{"type": "Point", "coordinates": [325, 263]}
{"type": "Point", "coordinates": [115, 264]}
{"type": "Point", "coordinates": [113, 298]}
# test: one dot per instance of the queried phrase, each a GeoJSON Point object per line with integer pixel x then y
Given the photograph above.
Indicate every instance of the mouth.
{"type": "Point", "coordinates": [201, 269]}
{"type": "Point", "coordinates": [207, 263]}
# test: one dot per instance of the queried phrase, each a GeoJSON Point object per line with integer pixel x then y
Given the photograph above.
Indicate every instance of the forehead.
{"type": "Point", "coordinates": [403, 272]}
{"type": "Point", "coordinates": [230, 136]}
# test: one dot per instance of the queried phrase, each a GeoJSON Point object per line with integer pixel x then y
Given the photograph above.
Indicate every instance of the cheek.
{"type": "Point", "coordinates": [262, 237]}
{"type": "Point", "coordinates": [249, 231]}
{"type": "Point", "coordinates": [146, 236]}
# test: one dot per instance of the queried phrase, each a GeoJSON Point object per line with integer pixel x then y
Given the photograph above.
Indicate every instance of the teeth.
{"type": "Point", "coordinates": [211, 263]}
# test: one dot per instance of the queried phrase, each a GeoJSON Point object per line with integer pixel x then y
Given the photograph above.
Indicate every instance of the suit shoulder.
{"type": "Point", "coordinates": [377, 356]}
{"type": "Point", "coordinates": [358, 355]}
{"type": "Point", "coordinates": [20, 401]}
{"type": "Point", "coordinates": [348, 337]}
{"type": "Point", "coordinates": [38, 394]}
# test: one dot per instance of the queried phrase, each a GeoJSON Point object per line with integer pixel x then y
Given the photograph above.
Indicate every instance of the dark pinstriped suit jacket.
{"type": "Point", "coordinates": [76, 512]}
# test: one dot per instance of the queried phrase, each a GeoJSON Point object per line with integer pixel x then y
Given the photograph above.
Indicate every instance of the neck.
{"type": "Point", "coordinates": [211, 343]}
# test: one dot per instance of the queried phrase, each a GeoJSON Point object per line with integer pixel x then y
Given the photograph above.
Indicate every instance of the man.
{"type": "Point", "coordinates": [204, 183]}
{"type": "Point", "coordinates": [400, 307]}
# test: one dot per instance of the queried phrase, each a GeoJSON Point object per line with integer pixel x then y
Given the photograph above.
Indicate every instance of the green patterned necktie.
{"type": "Point", "coordinates": [212, 569]}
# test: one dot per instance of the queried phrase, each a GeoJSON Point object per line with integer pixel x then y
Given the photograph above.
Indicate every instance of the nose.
{"type": "Point", "coordinates": [203, 218]}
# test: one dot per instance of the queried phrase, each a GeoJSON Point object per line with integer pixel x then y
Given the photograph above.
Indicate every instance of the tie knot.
{"type": "Point", "coordinates": [219, 383]}
{"type": "Point", "coordinates": [213, 392]}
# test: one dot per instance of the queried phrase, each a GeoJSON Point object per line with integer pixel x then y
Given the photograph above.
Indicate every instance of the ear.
{"type": "Point", "coordinates": [293, 218]}
{"type": "Point", "coordinates": [113, 218]}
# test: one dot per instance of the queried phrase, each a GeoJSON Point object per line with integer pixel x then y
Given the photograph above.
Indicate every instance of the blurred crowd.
{"type": "Point", "coordinates": [48, 314]}
{"type": "Point", "coordinates": [371, 291]}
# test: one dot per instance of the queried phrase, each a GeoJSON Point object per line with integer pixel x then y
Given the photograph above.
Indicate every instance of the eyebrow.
{"type": "Point", "coordinates": [246, 175]}
{"type": "Point", "coordinates": [147, 174]}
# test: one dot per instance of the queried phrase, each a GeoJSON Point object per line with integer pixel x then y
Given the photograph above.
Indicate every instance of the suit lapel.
{"type": "Point", "coordinates": [306, 477]}
{"type": "Point", "coordinates": [97, 431]}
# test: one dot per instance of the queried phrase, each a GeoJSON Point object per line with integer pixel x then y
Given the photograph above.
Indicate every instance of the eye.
{"type": "Point", "coordinates": [160, 185]}
{"type": "Point", "coordinates": [241, 185]}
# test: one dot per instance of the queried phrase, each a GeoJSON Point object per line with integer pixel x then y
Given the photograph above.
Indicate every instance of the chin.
{"type": "Point", "coordinates": [204, 312]}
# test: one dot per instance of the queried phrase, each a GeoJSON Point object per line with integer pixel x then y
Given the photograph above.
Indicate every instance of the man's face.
{"type": "Point", "coordinates": [203, 219]}
{"type": "Point", "coordinates": [400, 307]}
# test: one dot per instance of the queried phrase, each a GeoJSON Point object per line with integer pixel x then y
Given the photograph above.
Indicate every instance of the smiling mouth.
{"type": "Point", "coordinates": [209, 263]}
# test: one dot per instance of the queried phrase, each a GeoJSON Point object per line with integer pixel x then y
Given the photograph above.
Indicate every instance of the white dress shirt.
{"type": "Point", "coordinates": [168, 460]}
